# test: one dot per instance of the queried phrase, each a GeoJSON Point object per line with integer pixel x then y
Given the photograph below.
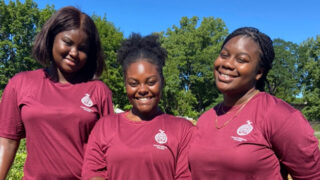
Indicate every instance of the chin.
{"type": "Point", "coordinates": [146, 110]}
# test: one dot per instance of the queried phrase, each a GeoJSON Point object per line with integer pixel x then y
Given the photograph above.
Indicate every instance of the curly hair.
{"type": "Point", "coordinates": [147, 48]}
{"type": "Point", "coordinates": [65, 19]}
{"type": "Point", "coordinates": [266, 48]}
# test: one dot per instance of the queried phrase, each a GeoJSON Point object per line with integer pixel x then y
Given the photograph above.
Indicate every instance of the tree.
{"type": "Point", "coordinates": [283, 78]}
{"type": "Point", "coordinates": [19, 25]}
{"type": "Point", "coordinates": [111, 39]}
{"type": "Point", "coordinates": [309, 52]}
{"type": "Point", "coordinates": [192, 49]}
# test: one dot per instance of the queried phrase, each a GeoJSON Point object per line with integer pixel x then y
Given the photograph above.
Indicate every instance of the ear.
{"type": "Point", "coordinates": [259, 73]}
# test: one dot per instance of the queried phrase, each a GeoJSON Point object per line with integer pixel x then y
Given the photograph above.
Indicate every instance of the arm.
{"type": "Point", "coordinates": [97, 178]}
{"type": "Point", "coordinates": [106, 105]}
{"type": "Point", "coordinates": [182, 168]}
{"type": "Point", "coordinates": [297, 147]}
{"type": "Point", "coordinates": [94, 164]}
{"type": "Point", "coordinates": [11, 127]}
{"type": "Point", "coordinates": [8, 149]}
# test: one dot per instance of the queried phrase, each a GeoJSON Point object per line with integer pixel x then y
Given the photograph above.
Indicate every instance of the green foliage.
{"type": "Point", "coordinates": [310, 63]}
{"type": "Point", "coordinates": [283, 78]}
{"type": "Point", "coordinates": [111, 39]}
{"type": "Point", "coordinates": [19, 23]}
{"type": "Point", "coordinates": [192, 49]}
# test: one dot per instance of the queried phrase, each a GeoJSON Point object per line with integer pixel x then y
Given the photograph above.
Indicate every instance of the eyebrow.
{"type": "Point", "coordinates": [242, 53]}
{"type": "Point", "coordinates": [132, 78]}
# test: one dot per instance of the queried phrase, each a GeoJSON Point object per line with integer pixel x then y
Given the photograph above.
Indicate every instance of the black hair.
{"type": "Point", "coordinates": [266, 50]}
{"type": "Point", "coordinates": [147, 48]}
{"type": "Point", "coordinates": [65, 19]}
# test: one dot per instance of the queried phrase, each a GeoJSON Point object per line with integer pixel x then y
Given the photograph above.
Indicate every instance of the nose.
{"type": "Point", "coordinates": [228, 63]}
{"type": "Point", "coordinates": [143, 90]}
{"type": "Point", "coordinates": [74, 52]}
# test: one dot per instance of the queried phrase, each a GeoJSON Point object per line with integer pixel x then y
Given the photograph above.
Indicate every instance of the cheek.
{"type": "Point", "coordinates": [216, 62]}
{"type": "Point", "coordinates": [215, 67]}
{"type": "Point", "coordinates": [59, 51]}
{"type": "Point", "coordinates": [157, 90]}
{"type": "Point", "coordinates": [83, 57]}
{"type": "Point", "coordinates": [129, 91]}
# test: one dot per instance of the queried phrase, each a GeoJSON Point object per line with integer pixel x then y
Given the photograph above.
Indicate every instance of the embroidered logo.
{"type": "Point", "coordinates": [161, 137]}
{"type": "Point", "coordinates": [240, 139]}
{"type": "Point", "coordinates": [245, 129]}
{"type": "Point", "coordinates": [86, 100]}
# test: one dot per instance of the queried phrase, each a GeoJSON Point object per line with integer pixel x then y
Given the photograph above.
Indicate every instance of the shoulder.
{"type": "Point", "coordinates": [178, 127]}
{"type": "Point", "coordinates": [271, 104]}
{"type": "Point", "coordinates": [107, 123]}
{"type": "Point", "coordinates": [275, 114]}
{"type": "Point", "coordinates": [105, 129]}
{"type": "Point", "coordinates": [29, 75]}
{"type": "Point", "coordinates": [207, 115]}
{"type": "Point", "coordinates": [100, 85]}
{"type": "Point", "coordinates": [108, 119]}
{"type": "Point", "coordinates": [177, 121]}
{"type": "Point", "coordinates": [26, 79]}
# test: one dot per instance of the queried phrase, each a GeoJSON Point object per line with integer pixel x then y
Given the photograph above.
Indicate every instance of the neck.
{"type": "Point", "coordinates": [64, 78]}
{"type": "Point", "coordinates": [135, 115]}
{"type": "Point", "coordinates": [232, 100]}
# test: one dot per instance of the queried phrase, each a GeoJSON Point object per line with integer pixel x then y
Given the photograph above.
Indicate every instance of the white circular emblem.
{"type": "Point", "coordinates": [245, 129]}
{"type": "Point", "coordinates": [86, 100]}
{"type": "Point", "coordinates": [161, 137]}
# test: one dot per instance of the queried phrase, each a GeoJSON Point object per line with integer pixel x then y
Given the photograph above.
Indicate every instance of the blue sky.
{"type": "Point", "coordinates": [291, 20]}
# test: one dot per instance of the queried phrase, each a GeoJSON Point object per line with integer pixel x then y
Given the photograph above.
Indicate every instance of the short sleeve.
{"type": "Point", "coordinates": [296, 146]}
{"type": "Point", "coordinates": [11, 125]}
{"type": "Point", "coordinates": [95, 164]}
{"type": "Point", "coordinates": [182, 168]}
{"type": "Point", "coordinates": [106, 101]}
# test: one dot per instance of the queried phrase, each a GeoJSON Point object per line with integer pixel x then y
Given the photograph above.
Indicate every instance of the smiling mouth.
{"type": "Point", "coordinates": [225, 77]}
{"type": "Point", "coordinates": [70, 62]}
{"type": "Point", "coordinates": [143, 100]}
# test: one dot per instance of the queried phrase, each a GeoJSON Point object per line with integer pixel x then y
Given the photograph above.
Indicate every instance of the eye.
{"type": "Point", "coordinates": [133, 83]}
{"type": "Point", "coordinates": [67, 42]}
{"type": "Point", "coordinates": [83, 48]}
{"type": "Point", "coordinates": [151, 83]}
{"type": "Point", "coordinates": [241, 60]}
{"type": "Point", "coordinates": [223, 55]}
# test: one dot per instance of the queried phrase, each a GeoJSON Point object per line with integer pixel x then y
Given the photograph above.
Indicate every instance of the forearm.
{"type": "Point", "coordinates": [97, 178]}
{"type": "Point", "coordinates": [8, 149]}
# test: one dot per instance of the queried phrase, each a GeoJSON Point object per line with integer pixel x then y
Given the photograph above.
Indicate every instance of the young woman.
{"type": "Point", "coordinates": [55, 108]}
{"type": "Point", "coordinates": [142, 143]}
{"type": "Point", "coordinates": [251, 134]}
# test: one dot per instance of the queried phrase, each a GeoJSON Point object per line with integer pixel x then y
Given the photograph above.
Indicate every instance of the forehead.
{"type": "Point", "coordinates": [141, 66]}
{"type": "Point", "coordinates": [76, 34]}
{"type": "Point", "coordinates": [242, 43]}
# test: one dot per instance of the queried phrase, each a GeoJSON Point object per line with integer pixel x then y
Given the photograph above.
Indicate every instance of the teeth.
{"type": "Point", "coordinates": [143, 99]}
{"type": "Point", "coordinates": [225, 76]}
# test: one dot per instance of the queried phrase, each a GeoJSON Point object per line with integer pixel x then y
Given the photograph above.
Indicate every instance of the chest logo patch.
{"type": "Point", "coordinates": [161, 137]}
{"type": "Point", "coordinates": [86, 100]}
{"type": "Point", "coordinates": [245, 129]}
